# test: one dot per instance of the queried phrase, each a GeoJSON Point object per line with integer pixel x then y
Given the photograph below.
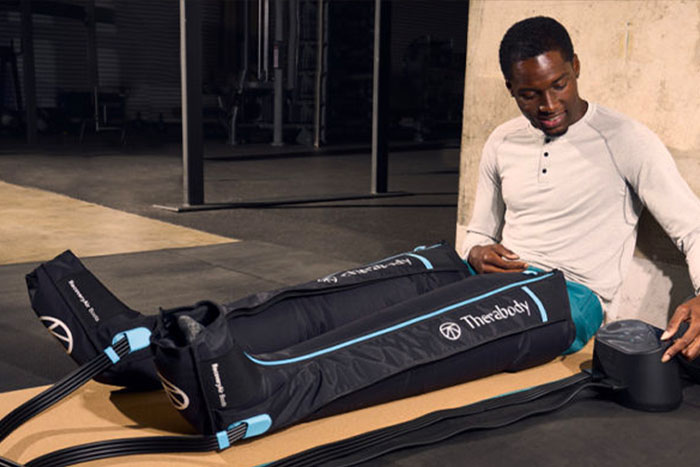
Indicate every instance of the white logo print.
{"type": "Point", "coordinates": [451, 330]}
{"type": "Point", "coordinates": [497, 314]}
{"type": "Point", "coordinates": [176, 395]}
{"type": "Point", "coordinates": [84, 301]}
{"type": "Point", "coordinates": [59, 330]}
{"type": "Point", "coordinates": [333, 278]}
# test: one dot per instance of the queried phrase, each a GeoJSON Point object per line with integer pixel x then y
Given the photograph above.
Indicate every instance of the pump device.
{"type": "Point", "coordinates": [627, 354]}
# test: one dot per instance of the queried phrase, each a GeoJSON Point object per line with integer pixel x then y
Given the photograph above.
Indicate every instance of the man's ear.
{"type": "Point", "coordinates": [577, 66]}
{"type": "Point", "coordinates": [509, 86]}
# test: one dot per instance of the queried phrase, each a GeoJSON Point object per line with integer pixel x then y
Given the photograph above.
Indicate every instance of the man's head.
{"type": "Point", "coordinates": [540, 68]}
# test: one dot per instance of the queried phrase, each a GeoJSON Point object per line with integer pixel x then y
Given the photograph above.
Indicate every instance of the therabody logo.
{"type": "Point", "coordinates": [451, 330]}
{"type": "Point", "coordinates": [497, 314]}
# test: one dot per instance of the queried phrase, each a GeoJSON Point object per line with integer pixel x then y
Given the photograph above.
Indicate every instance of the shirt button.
{"type": "Point", "coordinates": [546, 154]}
{"type": "Point", "coordinates": [548, 140]}
{"type": "Point", "coordinates": [544, 171]}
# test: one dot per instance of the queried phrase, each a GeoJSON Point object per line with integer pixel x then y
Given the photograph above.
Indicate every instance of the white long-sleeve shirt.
{"type": "Point", "coordinates": [573, 202]}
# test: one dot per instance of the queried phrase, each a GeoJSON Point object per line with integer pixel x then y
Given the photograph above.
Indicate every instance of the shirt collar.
{"type": "Point", "coordinates": [572, 130]}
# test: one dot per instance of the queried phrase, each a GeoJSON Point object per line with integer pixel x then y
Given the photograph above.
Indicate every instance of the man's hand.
{"type": "Point", "coordinates": [496, 258]}
{"type": "Point", "coordinates": [689, 343]}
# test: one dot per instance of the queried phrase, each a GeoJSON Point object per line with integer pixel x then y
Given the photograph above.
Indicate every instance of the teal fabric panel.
{"type": "Point", "coordinates": [586, 312]}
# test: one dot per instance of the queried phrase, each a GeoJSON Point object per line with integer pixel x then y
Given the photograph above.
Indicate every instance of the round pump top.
{"type": "Point", "coordinates": [630, 336]}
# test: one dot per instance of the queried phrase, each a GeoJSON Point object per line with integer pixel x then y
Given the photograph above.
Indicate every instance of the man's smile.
{"type": "Point", "coordinates": [552, 121]}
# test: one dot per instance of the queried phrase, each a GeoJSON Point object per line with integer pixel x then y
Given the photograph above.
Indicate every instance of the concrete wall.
{"type": "Point", "coordinates": [639, 57]}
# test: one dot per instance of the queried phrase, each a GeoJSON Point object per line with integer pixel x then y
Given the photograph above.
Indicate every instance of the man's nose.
{"type": "Point", "coordinates": [547, 102]}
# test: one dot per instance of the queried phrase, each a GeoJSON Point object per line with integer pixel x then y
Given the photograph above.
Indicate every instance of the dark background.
{"type": "Point", "coordinates": [138, 68]}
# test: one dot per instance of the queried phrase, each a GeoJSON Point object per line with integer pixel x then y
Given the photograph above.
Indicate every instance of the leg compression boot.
{"type": "Point", "coordinates": [85, 316]}
{"type": "Point", "coordinates": [222, 367]}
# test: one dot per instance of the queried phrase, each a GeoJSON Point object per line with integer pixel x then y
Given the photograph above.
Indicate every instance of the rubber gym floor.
{"type": "Point", "coordinates": [97, 199]}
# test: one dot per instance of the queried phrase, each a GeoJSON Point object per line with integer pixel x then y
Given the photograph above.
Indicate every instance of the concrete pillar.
{"type": "Point", "coordinates": [191, 91]}
{"type": "Point", "coordinates": [277, 65]}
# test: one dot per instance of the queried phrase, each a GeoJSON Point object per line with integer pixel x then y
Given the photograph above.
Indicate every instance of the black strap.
{"type": "Point", "coordinates": [124, 343]}
{"type": "Point", "coordinates": [437, 426]}
{"type": "Point", "coordinates": [132, 446]}
{"type": "Point", "coordinates": [63, 388]}
{"type": "Point", "coordinates": [8, 463]}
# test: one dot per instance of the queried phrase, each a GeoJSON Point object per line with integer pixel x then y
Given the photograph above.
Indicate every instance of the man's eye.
{"type": "Point", "coordinates": [560, 86]}
{"type": "Point", "coordinates": [527, 96]}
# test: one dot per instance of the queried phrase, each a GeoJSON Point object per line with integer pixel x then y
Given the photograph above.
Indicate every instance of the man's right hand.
{"type": "Point", "coordinates": [495, 258]}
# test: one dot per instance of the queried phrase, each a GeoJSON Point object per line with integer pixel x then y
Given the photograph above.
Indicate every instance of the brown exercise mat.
{"type": "Point", "coordinates": [99, 412]}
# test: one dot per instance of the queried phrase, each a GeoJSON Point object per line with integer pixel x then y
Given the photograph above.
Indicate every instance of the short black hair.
{"type": "Point", "coordinates": [532, 37]}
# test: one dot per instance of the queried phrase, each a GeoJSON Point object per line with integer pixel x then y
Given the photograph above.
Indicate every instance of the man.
{"type": "Point", "coordinates": [560, 186]}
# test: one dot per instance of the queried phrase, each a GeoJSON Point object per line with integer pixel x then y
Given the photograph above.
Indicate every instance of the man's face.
{"type": "Point", "coordinates": [544, 88]}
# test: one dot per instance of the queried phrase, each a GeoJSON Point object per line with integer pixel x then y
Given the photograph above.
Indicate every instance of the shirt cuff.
{"type": "Point", "coordinates": [472, 239]}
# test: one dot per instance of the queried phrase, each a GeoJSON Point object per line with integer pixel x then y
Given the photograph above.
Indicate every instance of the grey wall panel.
{"type": "Point", "coordinates": [148, 52]}
{"type": "Point", "coordinates": [212, 33]}
{"type": "Point", "coordinates": [60, 48]}
{"type": "Point", "coordinates": [140, 51]}
{"type": "Point", "coordinates": [60, 56]}
{"type": "Point", "coordinates": [10, 22]}
{"type": "Point", "coordinates": [442, 20]}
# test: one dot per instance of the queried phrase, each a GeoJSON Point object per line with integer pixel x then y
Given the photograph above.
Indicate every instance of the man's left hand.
{"type": "Point", "coordinates": [689, 343]}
